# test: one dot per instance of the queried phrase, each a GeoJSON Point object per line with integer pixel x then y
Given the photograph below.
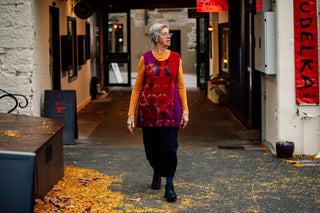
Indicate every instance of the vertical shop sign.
{"type": "Point", "coordinates": [306, 51]}
{"type": "Point", "coordinates": [212, 6]}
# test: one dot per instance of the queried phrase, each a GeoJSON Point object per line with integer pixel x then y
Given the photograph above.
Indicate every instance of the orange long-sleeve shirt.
{"type": "Point", "coordinates": [137, 89]}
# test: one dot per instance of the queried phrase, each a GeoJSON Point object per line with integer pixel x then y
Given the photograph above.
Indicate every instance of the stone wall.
{"type": "Point", "coordinates": [177, 19]}
{"type": "Point", "coordinates": [16, 53]}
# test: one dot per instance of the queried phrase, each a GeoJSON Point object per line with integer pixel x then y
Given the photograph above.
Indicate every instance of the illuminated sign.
{"type": "Point", "coordinates": [259, 5]}
{"type": "Point", "coordinates": [212, 6]}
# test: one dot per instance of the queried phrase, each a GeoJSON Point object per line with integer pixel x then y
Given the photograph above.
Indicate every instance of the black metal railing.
{"type": "Point", "coordinates": [22, 104]}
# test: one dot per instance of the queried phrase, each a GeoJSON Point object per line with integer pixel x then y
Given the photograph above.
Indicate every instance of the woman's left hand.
{"type": "Point", "coordinates": [184, 119]}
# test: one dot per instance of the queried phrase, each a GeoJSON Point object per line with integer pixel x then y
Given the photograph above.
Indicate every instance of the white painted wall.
{"type": "Point", "coordinates": [282, 121]}
{"type": "Point", "coordinates": [82, 83]}
{"type": "Point", "coordinates": [41, 79]}
{"type": "Point", "coordinates": [24, 53]}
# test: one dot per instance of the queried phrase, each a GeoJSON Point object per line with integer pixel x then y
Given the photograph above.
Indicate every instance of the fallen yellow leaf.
{"type": "Point", "coordinates": [233, 156]}
{"type": "Point", "coordinates": [10, 133]}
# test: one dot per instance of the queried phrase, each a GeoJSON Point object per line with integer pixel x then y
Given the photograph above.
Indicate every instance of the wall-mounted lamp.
{"type": "Point", "coordinates": [210, 28]}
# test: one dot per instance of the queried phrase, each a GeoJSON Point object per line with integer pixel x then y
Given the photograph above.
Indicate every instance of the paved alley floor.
{"type": "Point", "coordinates": [218, 171]}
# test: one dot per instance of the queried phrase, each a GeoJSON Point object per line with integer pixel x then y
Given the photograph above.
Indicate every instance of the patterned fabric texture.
{"type": "Point", "coordinates": [159, 103]}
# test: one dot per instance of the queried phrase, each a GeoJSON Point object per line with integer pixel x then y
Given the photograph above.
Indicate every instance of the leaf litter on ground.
{"type": "Point", "coordinates": [86, 190]}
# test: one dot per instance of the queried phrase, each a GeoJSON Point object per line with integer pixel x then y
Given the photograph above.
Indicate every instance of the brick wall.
{"type": "Point", "coordinates": [16, 52]}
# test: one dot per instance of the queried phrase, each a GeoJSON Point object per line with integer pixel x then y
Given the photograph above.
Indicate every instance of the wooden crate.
{"type": "Point", "coordinates": [42, 136]}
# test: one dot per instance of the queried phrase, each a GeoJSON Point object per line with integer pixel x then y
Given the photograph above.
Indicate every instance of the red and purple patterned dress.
{"type": "Point", "coordinates": [159, 101]}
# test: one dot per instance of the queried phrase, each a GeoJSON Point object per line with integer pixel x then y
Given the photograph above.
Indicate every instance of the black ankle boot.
{"type": "Point", "coordinates": [156, 182]}
{"type": "Point", "coordinates": [169, 194]}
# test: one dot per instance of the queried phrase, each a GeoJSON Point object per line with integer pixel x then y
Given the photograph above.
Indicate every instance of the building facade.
{"type": "Point", "coordinates": [266, 102]}
{"type": "Point", "coordinates": [272, 94]}
{"type": "Point", "coordinates": [27, 55]}
{"type": "Point", "coordinates": [284, 119]}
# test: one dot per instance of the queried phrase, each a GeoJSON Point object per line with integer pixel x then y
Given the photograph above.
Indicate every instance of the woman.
{"type": "Point", "coordinates": [161, 93]}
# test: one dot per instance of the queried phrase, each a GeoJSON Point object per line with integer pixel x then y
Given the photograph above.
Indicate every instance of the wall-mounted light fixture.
{"type": "Point", "coordinates": [210, 28]}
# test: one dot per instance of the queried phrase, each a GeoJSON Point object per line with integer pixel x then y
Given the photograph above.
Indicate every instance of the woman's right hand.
{"type": "Point", "coordinates": [130, 123]}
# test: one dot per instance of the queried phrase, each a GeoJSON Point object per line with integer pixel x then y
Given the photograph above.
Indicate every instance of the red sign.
{"type": "Point", "coordinates": [259, 5]}
{"type": "Point", "coordinates": [212, 6]}
{"type": "Point", "coordinates": [306, 51]}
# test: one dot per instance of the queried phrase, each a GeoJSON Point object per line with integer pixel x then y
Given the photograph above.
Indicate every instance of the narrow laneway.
{"type": "Point", "coordinates": [103, 123]}
{"type": "Point", "coordinates": [209, 178]}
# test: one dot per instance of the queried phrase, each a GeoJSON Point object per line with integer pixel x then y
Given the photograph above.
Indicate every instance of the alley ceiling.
{"type": "Point", "coordinates": [145, 4]}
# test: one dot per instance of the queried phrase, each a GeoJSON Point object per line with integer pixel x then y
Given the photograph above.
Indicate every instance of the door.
{"type": "Point", "coordinates": [202, 53]}
{"type": "Point", "coordinates": [117, 66]}
{"type": "Point", "coordinates": [55, 49]}
{"type": "Point", "coordinates": [175, 41]}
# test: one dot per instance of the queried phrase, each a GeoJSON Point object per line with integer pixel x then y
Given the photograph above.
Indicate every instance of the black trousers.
{"type": "Point", "coordinates": [161, 145]}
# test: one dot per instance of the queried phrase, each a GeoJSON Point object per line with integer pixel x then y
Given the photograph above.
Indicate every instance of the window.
{"type": "Point", "coordinates": [72, 35]}
{"type": "Point", "coordinates": [224, 49]}
{"type": "Point", "coordinates": [87, 40]}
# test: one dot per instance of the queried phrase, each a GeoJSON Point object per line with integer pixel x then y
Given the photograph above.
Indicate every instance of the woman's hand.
{"type": "Point", "coordinates": [130, 123]}
{"type": "Point", "coordinates": [184, 119]}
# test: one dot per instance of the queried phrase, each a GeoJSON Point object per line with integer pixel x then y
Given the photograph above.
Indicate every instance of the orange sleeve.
{"type": "Point", "coordinates": [137, 88]}
{"type": "Point", "coordinates": [182, 89]}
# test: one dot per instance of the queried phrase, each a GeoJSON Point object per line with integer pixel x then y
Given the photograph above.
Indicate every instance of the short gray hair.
{"type": "Point", "coordinates": [155, 30]}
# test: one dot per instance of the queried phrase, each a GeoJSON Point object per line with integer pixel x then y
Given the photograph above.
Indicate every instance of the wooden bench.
{"type": "Point", "coordinates": [42, 136]}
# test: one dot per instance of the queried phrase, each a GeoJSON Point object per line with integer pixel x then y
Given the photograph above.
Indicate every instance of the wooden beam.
{"type": "Point", "coordinates": [145, 4]}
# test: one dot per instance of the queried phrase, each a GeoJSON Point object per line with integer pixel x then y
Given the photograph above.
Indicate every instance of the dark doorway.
{"type": "Point", "coordinates": [245, 95]}
{"type": "Point", "coordinates": [239, 76]}
{"type": "Point", "coordinates": [55, 49]}
{"type": "Point", "coordinates": [117, 65]}
{"type": "Point", "coordinates": [202, 52]}
{"type": "Point", "coordinates": [176, 41]}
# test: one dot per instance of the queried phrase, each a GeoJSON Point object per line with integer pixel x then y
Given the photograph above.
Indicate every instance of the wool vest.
{"type": "Point", "coordinates": [159, 103]}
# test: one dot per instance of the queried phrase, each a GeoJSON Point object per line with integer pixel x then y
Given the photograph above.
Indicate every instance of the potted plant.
{"type": "Point", "coordinates": [284, 149]}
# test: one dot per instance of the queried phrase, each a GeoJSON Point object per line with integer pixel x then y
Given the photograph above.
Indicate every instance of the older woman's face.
{"type": "Point", "coordinates": [164, 39]}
